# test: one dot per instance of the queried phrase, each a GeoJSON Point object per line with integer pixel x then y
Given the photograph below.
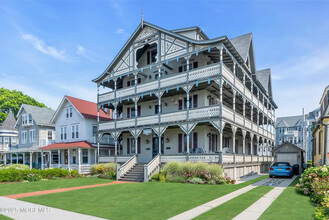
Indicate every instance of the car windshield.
{"type": "Point", "coordinates": [279, 164]}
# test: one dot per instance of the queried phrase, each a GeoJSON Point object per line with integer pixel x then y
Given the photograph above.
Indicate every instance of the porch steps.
{"type": "Point", "coordinates": [136, 174]}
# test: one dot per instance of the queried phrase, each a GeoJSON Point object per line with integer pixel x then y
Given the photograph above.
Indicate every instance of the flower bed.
{"type": "Point", "coordinates": [17, 173]}
{"type": "Point", "coordinates": [187, 172]}
{"type": "Point", "coordinates": [104, 170]}
{"type": "Point", "coordinates": [315, 183]}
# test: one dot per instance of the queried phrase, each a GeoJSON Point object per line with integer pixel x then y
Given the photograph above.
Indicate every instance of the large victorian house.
{"type": "Point", "coordinates": [77, 142]}
{"type": "Point", "coordinates": [34, 131]}
{"type": "Point", "coordinates": [179, 96]}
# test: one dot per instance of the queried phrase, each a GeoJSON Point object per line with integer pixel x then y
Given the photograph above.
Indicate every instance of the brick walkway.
{"type": "Point", "coordinates": [50, 191]}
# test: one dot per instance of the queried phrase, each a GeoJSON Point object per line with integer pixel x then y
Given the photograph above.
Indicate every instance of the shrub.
{"type": "Point", "coordinates": [155, 177]}
{"type": "Point", "coordinates": [196, 180]}
{"type": "Point", "coordinates": [15, 166]}
{"type": "Point", "coordinates": [189, 170]}
{"type": "Point", "coordinates": [176, 179]}
{"type": "Point", "coordinates": [32, 177]}
{"type": "Point", "coordinates": [74, 173]}
{"type": "Point", "coordinates": [108, 169]}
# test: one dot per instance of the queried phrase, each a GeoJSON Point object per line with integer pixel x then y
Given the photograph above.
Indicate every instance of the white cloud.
{"type": "Point", "coordinates": [122, 32]}
{"type": "Point", "coordinates": [41, 46]}
{"type": "Point", "coordinates": [81, 51]}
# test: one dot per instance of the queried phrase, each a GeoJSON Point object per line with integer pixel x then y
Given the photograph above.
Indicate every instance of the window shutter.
{"type": "Point", "coordinates": [209, 143]}
{"type": "Point", "coordinates": [128, 112]}
{"type": "Point", "coordinates": [195, 140]}
{"type": "Point", "coordinates": [128, 145]}
{"type": "Point", "coordinates": [180, 143]}
{"type": "Point", "coordinates": [139, 145]}
{"type": "Point", "coordinates": [180, 104]}
{"type": "Point", "coordinates": [139, 110]}
{"type": "Point", "coordinates": [195, 101]}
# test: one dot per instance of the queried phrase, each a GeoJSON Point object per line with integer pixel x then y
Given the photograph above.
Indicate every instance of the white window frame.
{"type": "Point", "coordinates": [32, 135]}
{"type": "Point", "coordinates": [69, 112]}
{"type": "Point", "coordinates": [63, 133]}
{"type": "Point", "coordinates": [73, 131]}
{"type": "Point", "coordinates": [24, 136]}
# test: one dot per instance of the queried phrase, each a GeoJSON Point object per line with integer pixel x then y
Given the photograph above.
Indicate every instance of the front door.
{"type": "Point", "coordinates": [155, 145]}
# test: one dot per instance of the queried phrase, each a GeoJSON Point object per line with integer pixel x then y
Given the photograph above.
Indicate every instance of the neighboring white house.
{"type": "Point", "coordinates": [34, 131]}
{"type": "Point", "coordinates": [8, 136]}
{"type": "Point", "coordinates": [75, 145]}
{"type": "Point", "coordinates": [289, 129]}
{"type": "Point", "coordinates": [178, 95]}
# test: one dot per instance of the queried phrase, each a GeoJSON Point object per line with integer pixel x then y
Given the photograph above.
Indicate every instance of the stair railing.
{"type": "Point", "coordinates": [151, 168]}
{"type": "Point", "coordinates": [124, 168]}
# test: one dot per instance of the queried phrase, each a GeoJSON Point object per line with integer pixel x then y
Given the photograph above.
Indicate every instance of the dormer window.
{"type": "Point", "coordinates": [69, 112]}
{"type": "Point", "coordinates": [27, 119]}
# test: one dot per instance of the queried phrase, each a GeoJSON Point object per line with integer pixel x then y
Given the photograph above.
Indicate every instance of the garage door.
{"type": "Point", "coordinates": [291, 158]}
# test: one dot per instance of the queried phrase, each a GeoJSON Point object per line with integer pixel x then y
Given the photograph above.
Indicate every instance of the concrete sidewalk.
{"type": "Point", "coordinates": [21, 210]}
{"type": "Point", "coordinates": [192, 213]}
{"type": "Point", "coordinates": [258, 208]}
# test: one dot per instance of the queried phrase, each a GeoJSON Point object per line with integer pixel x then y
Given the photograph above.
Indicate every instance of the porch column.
{"type": "Point", "coordinates": [252, 115]}
{"type": "Point", "coordinates": [257, 146]}
{"type": "Point", "coordinates": [221, 99]}
{"type": "Point", "coordinates": [16, 158]}
{"type": "Point", "coordinates": [234, 94]}
{"type": "Point", "coordinates": [251, 144]}
{"type": "Point", "coordinates": [79, 159]}
{"type": "Point", "coordinates": [5, 158]}
{"type": "Point", "coordinates": [50, 159]}
{"type": "Point", "coordinates": [42, 160]}
{"type": "Point", "coordinates": [23, 158]}
{"type": "Point", "coordinates": [233, 138]}
{"type": "Point", "coordinates": [95, 155]}
{"type": "Point", "coordinates": [69, 158]}
{"type": "Point", "coordinates": [59, 158]}
{"type": "Point", "coordinates": [244, 110]}
{"type": "Point", "coordinates": [31, 160]}
{"type": "Point", "coordinates": [88, 156]}
{"type": "Point", "coordinates": [11, 159]}
{"type": "Point", "coordinates": [244, 142]}
{"type": "Point", "coordinates": [115, 150]}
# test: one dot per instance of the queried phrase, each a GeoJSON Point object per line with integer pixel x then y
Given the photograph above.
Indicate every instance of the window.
{"type": "Point", "coordinates": [156, 109]}
{"type": "Point", "coordinates": [77, 131]}
{"type": "Point", "coordinates": [50, 135]}
{"type": "Point", "coordinates": [69, 112]}
{"type": "Point", "coordinates": [151, 56]}
{"type": "Point", "coordinates": [24, 119]}
{"type": "Point", "coordinates": [133, 146]}
{"type": "Point", "coordinates": [24, 134]}
{"type": "Point", "coordinates": [84, 156]}
{"type": "Point", "coordinates": [131, 112]}
{"type": "Point", "coordinates": [139, 80]}
{"type": "Point", "coordinates": [63, 133]}
{"type": "Point", "coordinates": [73, 131]}
{"type": "Point", "coordinates": [94, 130]}
{"type": "Point", "coordinates": [185, 102]}
{"type": "Point", "coordinates": [30, 119]}
{"type": "Point", "coordinates": [6, 140]}
{"type": "Point", "coordinates": [55, 157]}
{"type": "Point", "coordinates": [193, 65]}
{"type": "Point", "coordinates": [32, 136]}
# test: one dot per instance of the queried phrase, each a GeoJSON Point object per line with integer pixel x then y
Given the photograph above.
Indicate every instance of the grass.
{"type": "Point", "coordinates": [235, 206]}
{"type": "Point", "coordinates": [153, 200]}
{"type": "Point", "coordinates": [2, 217]}
{"type": "Point", "coordinates": [290, 205]}
{"type": "Point", "coordinates": [15, 188]}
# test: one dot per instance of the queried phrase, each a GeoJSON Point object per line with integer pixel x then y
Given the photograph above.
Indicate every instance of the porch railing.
{"type": "Point", "coordinates": [122, 170]}
{"type": "Point", "coordinates": [111, 159]}
{"type": "Point", "coordinates": [152, 167]}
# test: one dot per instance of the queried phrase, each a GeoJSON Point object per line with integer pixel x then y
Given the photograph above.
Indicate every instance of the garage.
{"type": "Point", "coordinates": [290, 153]}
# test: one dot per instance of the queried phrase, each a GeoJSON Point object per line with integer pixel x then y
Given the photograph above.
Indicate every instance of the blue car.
{"type": "Point", "coordinates": [282, 169]}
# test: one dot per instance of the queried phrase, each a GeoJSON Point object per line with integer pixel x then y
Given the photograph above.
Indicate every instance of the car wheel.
{"type": "Point", "coordinates": [271, 176]}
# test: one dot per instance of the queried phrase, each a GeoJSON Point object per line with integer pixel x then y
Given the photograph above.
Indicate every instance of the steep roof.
{"type": "Point", "coordinates": [9, 122]}
{"type": "Point", "coordinates": [41, 116]}
{"type": "Point", "coordinates": [242, 44]}
{"type": "Point", "coordinates": [264, 78]}
{"type": "Point", "coordinates": [290, 121]}
{"type": "Point", "coordinates": [88, 109]}
{"type": "Point", "coordinates": [287, 144]}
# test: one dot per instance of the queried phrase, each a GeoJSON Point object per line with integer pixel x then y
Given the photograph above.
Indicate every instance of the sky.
{"type": "Point", "coordinates": [52, 48]}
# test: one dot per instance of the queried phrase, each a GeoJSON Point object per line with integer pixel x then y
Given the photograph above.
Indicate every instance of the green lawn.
{"type": "Point", "coordinates": [235, 206]}
{"type": "Point", "coordinates": [151, 200]}
{"type": "Point", "coordinates": [290, 205]}
{"type": "Point", "coordinates": [15, 188]}
{"type": "Point", "coordinates": [2, 217]}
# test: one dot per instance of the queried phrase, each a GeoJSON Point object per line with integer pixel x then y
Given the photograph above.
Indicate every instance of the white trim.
{"type": "Point", "coordinates": [60, 106]}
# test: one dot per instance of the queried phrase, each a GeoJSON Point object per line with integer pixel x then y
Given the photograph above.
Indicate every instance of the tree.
{"type": "Point", "coordinates": [12, 100]}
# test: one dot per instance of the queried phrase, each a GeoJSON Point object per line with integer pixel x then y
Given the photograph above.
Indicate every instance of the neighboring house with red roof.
{"type": "Point", "coordinates": [76, 127]}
